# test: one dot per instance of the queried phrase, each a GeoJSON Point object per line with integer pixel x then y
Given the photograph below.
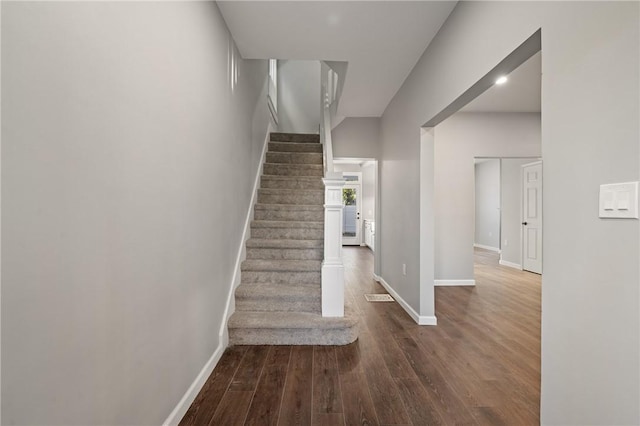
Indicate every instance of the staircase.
{"type": "Point", "coordinates": [278, 299]}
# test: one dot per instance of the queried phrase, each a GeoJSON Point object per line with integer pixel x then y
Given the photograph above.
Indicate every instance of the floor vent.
{"type": "Point", "coordinates": [378, 298]}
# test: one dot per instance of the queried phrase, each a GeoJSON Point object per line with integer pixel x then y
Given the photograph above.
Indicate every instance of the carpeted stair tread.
{"type": "Point", "coordinates": [284, 243]}
{"type": "Point", "coordinates": [280, 169]}
{"type": "Point", "coordinates": [289, 212]}
{"type": "Point", "coordinates": [294, 157]}
{"type": "Point", "coordinates": [288, 191]}
{"type": "Point", "coordinates": [294, 147]}
{"type": "Point", "coordinates": [287, 196]}
{"type": "Point", "coordinates": [289, 207]}
{"type": "Point", "coordinates": [295, 137]}
{"type": "Point", "coordinates": [286, 224]}
{"type": "Point", "coordinates": [279, 291]}
{"type": "Point", "coordinates": [269, 265]}
{"type": "Point", "coordinates": [291, 182]}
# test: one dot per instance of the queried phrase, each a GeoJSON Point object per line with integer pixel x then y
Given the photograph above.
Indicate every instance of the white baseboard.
{"type": "Point", "coordinates": [223, 334]}
{"type": "Point", "coordinates": [181, 409]}
{"type": "Point", "coordinates": [444, 283]}
{"type": "Point", "coordinates": [510, 264]}
{"type": "Point", "coordinates": [495, 249]}
{"type": "Point", "coordinates": [419, 319]}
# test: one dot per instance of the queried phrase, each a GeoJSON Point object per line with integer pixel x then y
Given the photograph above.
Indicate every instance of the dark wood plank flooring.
{"type": "Point", "coordinates": [479, 365]}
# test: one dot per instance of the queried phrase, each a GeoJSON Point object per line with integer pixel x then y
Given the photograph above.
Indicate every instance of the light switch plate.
{"type": "Point", "coordinates": [619, 200]}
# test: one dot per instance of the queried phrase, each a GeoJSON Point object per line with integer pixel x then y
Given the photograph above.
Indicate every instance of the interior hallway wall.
{"type": "Point", "coordinates": [458, 141]}
{"type": "Point", "coordinates": [128, 161]}
{"type": "Point", "coordinates": [298, 96]}
{"type": "Point", "coordinates": [356, 137]}
{"type": "Point", "coordinates": [487, 204]}
{"type": "Point", "coordinates": [590, 136]}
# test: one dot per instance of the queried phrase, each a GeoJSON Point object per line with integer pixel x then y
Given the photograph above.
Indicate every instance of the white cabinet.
{"type": "Point", "coordinates": [369, 233]}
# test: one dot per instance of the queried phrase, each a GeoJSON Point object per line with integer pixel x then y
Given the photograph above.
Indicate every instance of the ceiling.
{"type": "Point", "coordinates": [381, 40]}
{"type": "Point", "coordinates": [521, 92]}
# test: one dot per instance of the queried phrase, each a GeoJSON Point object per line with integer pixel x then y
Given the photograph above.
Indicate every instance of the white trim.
{"type": "Point", "coordinates": [235, 282]}
{"type": "Point", "coordinates": [185, 402]}
{"type": "Point", "coordinates": [510, 264]}
{"type": "Point", "coordinates": [482, 246]}
{"type": "Point", "coordinates": [419, 319]}
{"type": "Point", "coordinates": [452, 283]}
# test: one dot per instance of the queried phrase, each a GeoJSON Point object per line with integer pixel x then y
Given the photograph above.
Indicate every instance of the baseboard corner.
{"type": "Point", "coordinates": [419, 319]}
{"type": "Point", "coordinates": [510, 264]}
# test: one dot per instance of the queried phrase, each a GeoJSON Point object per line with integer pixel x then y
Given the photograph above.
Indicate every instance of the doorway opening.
{"type": "Point", "coordinates": [508, 210]}
{"type": "Point", "coordinates": [359, 196]}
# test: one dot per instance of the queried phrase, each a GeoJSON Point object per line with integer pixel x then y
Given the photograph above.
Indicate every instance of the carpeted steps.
{"type": "Point", "coordinates": [278, 301]}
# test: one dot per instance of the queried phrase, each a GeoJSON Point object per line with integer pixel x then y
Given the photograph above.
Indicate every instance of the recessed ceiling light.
{"type": "Point", "coordinates": [501, 80]}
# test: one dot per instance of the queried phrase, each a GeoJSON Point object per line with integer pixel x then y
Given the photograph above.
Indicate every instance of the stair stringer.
{"type": "Point", "coordinates": [223, 333]}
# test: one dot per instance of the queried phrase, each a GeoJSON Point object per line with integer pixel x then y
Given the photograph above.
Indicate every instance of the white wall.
{"type": "Point", "coordinates": [487, 203]}
{"type": "Point", "coordinates": [590, 136]}
{"type": "Point", "coordinates": [356, 137]}
{"type": "Point", "coordinates": [369, 191]}
{"type": "Point", "coordinates": [458, 141]}
{"type": "Point", "coordinates": [298, 96]}
{"type": "Point", "coordinates": [511, 228]}
{"type": "Point", "coordinates": [127, 168]}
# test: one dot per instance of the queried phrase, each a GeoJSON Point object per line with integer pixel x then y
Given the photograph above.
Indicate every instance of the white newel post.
{"type": "Point", "coordinates": [332, 266]}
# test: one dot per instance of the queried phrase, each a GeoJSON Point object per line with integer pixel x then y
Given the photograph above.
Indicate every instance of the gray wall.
{"type": "Point", "coordinates": [487, 205]}
{"type": "Point", "coordinates": [458, 141]}
{"type": "Point", "coordinates": [590, 136]}
{"type": "Point", "coordinates": [369, 191]}
{"type": "Point", "coordinates": [127, 167]}
{"type": "Point", "coordinates": [511, 228]}
{"type": "Point", "coordinates": [356, 137]}
{"type": "Point", "coordinates": [298, 96]}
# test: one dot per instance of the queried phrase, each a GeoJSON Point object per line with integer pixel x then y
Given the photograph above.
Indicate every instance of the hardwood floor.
{"type": "Point", "coordinates": [480, 365]}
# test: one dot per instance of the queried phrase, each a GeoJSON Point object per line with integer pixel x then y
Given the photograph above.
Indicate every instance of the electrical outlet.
{"type": "Point", "coordinates": [404, 269]}
{"type": "Point", "coordinates": [506, 243]}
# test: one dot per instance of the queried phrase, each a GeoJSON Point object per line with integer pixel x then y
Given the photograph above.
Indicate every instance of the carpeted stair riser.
{"type": "Point", "coordinates": [287, 182]}
{"type": "Point", "coordinates": [294, 158]}
{"type": "Point", "coordinates": [291, 336]}
{"type": "Point", "coordinates": [285, 254]}
{"type": "Point", "coordinates": [285, 277]}
{"type": "Point", "coordinates": [278, 305]}
{"type": "Point", "coordinates": [300, 328]}
{"type": "Point", "coordinates": [278, 298]}
{"type": "Point", "coordinates": [294, 147]}
{"type": "Point", "coordinates": [280, 265]}
{"type": "Point", "coordinates": [286, 196]}
{"type": "Point", "coordinates": [295, 137]}
{"type": "Point", "coordinates": [293, 234]}
{"type": "Point", "coordinates": [288, 212]}
{"type": "Point", "coordinates": [292, 169]}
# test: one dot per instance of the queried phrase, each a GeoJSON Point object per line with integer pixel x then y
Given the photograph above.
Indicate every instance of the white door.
{"type": "Point", "coordinates": [351, 224]}
{"type": "Point", "coordinates": [532, 217]}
